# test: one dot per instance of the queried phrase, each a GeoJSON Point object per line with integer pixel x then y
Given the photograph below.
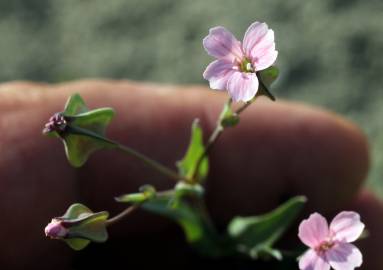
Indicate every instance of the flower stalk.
{"type": "Point", "coordinates": [127, 150]}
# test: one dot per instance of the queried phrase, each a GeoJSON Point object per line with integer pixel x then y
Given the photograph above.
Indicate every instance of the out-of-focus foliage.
{"type": "Point", "coordinates": [330, 50]}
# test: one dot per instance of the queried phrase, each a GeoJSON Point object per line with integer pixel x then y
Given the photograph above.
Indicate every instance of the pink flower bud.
{"type": "Point", "coordinates": [55, 229]}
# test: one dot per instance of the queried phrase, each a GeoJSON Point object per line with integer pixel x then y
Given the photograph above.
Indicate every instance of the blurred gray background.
{"type": "Point", "coordinates": [330, 51]}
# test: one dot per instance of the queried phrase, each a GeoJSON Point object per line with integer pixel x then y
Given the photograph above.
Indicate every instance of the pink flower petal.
{"type": "Point", "coordinates": [264, 43]}
{"type": "Point", "coordinates": [242, 86]}
{"type": "Point", "coordinates": [220, 43]}
{"type": "Point", "coordinates": [253, 35]}
{"type": "Point", "coordinates": [218, 73]}
{"type": "Point", "coordinates": [344, 256]}
{"type": "Point", "coordinates": [346, 226]}
{"type": "Point", "coordinates": [312, 261]}
{"type": "Point", "coordinates": [265, 60]}
{"type": "Point", "coordinates": [314, 230]}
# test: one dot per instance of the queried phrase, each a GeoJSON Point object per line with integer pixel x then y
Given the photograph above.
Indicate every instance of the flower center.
{"type": "Point", "coordinates": [324, 246]}
{"type": "Point", "coordinates": [246, 66]}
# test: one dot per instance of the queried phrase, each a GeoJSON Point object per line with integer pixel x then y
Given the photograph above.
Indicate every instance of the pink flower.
{"type": "Point", "coordinates": [236, 65]}
{"type": "Point", "coordinates": [330, 246]}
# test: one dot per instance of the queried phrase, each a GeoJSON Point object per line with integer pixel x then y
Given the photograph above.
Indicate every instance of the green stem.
{"type": "Point", "coordinates": [122, 215]}
{"type": "Point", "coordinates": [133, 208]}
{"type": "Point", "coordinates": [151, 163]}
{"type": "Point", "coordinates": [146, 160]}
{"type": "Point", "coordinates": [244, 106]}
{"type": "Point", "coordinates": [218, 130]}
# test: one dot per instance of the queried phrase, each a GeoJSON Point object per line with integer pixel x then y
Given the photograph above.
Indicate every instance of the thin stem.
{"type": "Point", "coordinates": [146, 160]}
{"type": "Point", "coordinates": [151, 163]}
{"type": "Point", "coordinates": [134, 207]}
{"type": "Point", "coordinates": [217, 132]}
{"type": "Point", "coordinates": [244, 106]}
{"type": "Point", "coordinates": [122, 215]}
{"type": "Point", "coordinates": [212, 139]}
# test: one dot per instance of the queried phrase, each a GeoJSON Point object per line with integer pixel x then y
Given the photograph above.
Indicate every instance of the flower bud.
{"type": "Point", "coordinates": [56, 229]}
{"type": "Point", "coordinates": [79, 226]}
{"type": "Point", "coordinates": [57, 123]}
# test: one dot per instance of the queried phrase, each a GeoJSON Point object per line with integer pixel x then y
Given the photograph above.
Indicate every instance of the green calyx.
{"type": "Point", "coordinates": [83, 226]}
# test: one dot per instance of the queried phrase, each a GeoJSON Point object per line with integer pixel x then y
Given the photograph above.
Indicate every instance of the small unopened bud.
{"type": "Point", "coordinates": [79, 226]}
{"type": "Point", "coordinates": [56, 123]}
{"type": "Point", "coordinates": [56, 230]}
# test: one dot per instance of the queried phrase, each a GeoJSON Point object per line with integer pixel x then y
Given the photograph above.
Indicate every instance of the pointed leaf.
{"type": "Point", "coordinates": [269, 75]}
{"type": "Point", "coordinates": [259, 233]}
{"type": "Point", "coordinates": [78, 146]}
{"type": "Point", "coordinates": [147, 192]}
{"type": "Point", "coordinates": [182, 189]}
{"type": "Point", "coordinates": [187, 166]}
{"type": "Point", "coordinates": [92, 228]}
{"type": "Point", "coordinates": [81, 130]}
{"type": "Point", "coordinates": [265, 252]}
{"type": "Point", "coordinates": [183, 215]}
{"type": "Point", "coordinates": [75, 105]}
{"type": "Point", "coordinates": [197, 231]}
{"type": "Point", "coordinates": [266, 77]}
{"type": "Point", "coordinates": [96, 120]}
{"type": "Point", "coordinates": [76, 210]}
{"type": "Point", "coordinates": [131, 198]}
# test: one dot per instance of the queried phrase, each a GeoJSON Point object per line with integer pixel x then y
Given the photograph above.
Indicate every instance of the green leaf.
{"type": "Point", "coordinates": [257, 234]}
{"type": "Point", "coordinates": [77, 243]}
{"type": "Point", "coordinates": [85, 130]}
{"type": "Point", "coordinates": [77, 210]}
{"type": "Point", "coordinates": [85, 135]}
{"type": "Point", "coordinates": [132, 198]}
{"type": "Point", "coordinates": [147, 192]}
{"type": "Point", "coordinates": [92, 228]}
{"type": "Point", "coordinates": [188, 165]}
{"type": "Point", "coordinates": [96, 120]}
{"type": "Point", "coordinates": [75, 105]}
{"type": "Point", "coordinates": [183, 188]}
{"type": "Point", "coordinates": [198, 231]}
{"type": "Point", "coordinates": [269, 75]}
{"type": "Point", "coordinates": [266, 78]}
{"type": "Point", "coordinates": [82, 131]}
{"type": "Point", "coordinates": [183, 215]}
{"type": "Point", "coordinates": [229, 118]}
{"type": "Point", "coordinates": [265, 253]}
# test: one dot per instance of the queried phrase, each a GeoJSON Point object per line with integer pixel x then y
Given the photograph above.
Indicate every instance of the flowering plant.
{"type": "Point", "coordinates": [246, 70]}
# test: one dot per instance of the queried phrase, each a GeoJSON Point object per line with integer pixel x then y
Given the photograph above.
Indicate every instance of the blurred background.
{"type": "Point", "coordinates": [329, 50]}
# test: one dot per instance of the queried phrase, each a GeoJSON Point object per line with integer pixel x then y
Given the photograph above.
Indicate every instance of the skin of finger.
{"type": "Point", "coordinates": [371, 210]}
{"type": "Point", "coordinates": [278, 150]}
